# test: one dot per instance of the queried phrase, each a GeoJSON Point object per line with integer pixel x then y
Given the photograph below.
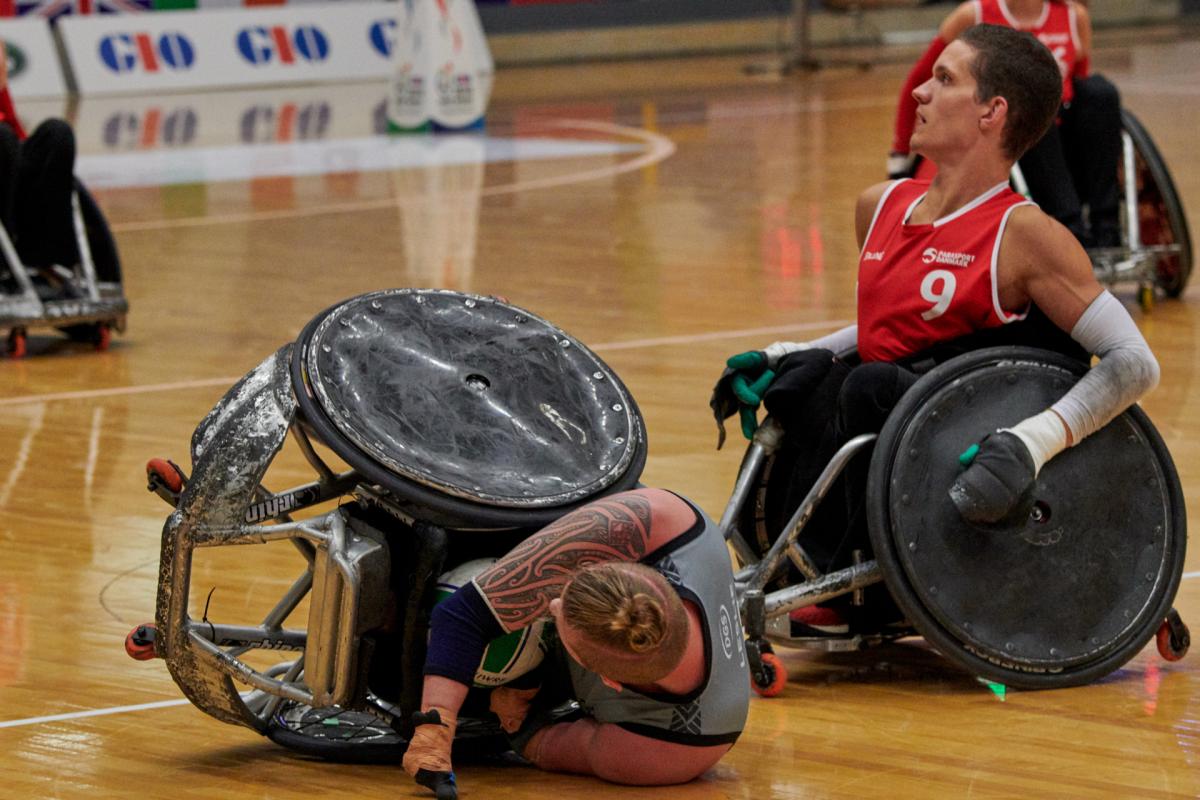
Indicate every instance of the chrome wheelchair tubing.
{"type": "Point", "coordinates": [86, 264]}
{"type": "Point", "coordinates": [766, 441]}
{"type": "Point", "coordinates": [1133, 225]}
{"type": "Point", "coordinates": [822, 588]}
{"type": "Point", "coordinates": [27, 302]}
{"type": "Point", "coordinates": [772, 561]}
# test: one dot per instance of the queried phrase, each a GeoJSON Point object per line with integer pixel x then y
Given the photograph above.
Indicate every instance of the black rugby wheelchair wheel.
{"type": "Point", "coordinates": [1160, 213]}
{"type": "Point", "coordinates": [1061, 598]}
{"type": "Point", "coordinates": [478, 413]}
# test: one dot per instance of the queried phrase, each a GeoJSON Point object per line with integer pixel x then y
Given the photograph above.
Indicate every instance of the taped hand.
{"type": "Point", "coordinates": [428, 756]}
{"type": "Point", "coordinates": [997, 485]}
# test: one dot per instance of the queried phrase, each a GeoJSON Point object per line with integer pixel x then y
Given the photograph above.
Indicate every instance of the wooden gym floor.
{"type": "Point", "coordinates": [723, 223]}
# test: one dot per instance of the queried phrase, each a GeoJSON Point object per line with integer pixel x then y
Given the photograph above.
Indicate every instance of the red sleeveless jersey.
{"type": "Point", "coordinates": [1055, 28]}
{"type": "Point", "coordinates": [919, 285]}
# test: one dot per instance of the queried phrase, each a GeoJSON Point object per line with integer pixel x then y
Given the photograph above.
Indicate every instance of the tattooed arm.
{"type": "Point", "coordinates": [517, 590]}
{"type": "Point", "coordinates": [623, 527]}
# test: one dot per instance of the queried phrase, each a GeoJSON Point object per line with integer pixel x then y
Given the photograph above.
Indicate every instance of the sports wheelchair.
{"type": "Point", "coordinates": [85, 300]}
{"type": "Point", "coordinates": [1060, 598]}
{"type": "Point", "coordinates": [466, 424]}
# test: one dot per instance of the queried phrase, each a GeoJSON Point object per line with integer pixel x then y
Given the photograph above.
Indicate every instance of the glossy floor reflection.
{"type": "Point", "coordinates": [692, 212]}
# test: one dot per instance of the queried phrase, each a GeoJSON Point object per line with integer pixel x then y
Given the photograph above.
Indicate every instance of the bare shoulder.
{"type": "Point", "coordinates": [1042, 262]}
{"type": "Point", "coordinates": [864, 209]}
{"type": "Point", "coordinates": [957, 21]}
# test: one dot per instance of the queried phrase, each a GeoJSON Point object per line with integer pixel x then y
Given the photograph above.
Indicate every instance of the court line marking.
{"type": "Point", "coordinates": [122, 391]}
{"type": "Point", "coordinates": [96, 712]}
{"type": "Point", "coordinates": [658, 148]}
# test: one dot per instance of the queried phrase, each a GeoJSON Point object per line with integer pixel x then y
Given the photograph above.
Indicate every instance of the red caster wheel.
{"type": "Point", "coordinates": [103, 336]}
{"type": "Point", "coordinates": [139, 644]}
{"type": "Point", "coordinates": [165, 479]}
{"type": "Point", "coordinates": [772, 679]}
{"type": "Point", "coordinates": [16, 343]}
{"type": "Point", "coordinates": [1173, 637]}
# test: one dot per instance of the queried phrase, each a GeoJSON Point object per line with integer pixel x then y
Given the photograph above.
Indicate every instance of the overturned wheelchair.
{"type": "Point", "coordinates": [1059, 598]}
{"type": "Point", "coordinates": [466, 423]}
{"type": "Point", "coordinates": [84, 298]}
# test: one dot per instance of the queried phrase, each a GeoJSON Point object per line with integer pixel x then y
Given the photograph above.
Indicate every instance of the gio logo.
{"type": "Point", "coordinates": [261, 45]}
{"type": "Point", "coordinates": [15, 57]}
{"type": "Point", "coordinates": [383, 36]}
{"type": "Point", "coordinates": [125, 52]}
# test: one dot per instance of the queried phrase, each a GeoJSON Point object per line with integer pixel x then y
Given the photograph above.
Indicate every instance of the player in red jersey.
{"type": "Point", "coordinates": [946, 266]}
{"type": "Point", "coordinates": [1075, 164]}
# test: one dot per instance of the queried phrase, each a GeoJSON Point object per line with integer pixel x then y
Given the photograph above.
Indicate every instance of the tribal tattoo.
{"type": "Point", "coordinates": [520, 586]}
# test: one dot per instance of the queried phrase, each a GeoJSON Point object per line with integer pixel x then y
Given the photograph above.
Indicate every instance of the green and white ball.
{"type": "Point", "coordinates": [509, 656]}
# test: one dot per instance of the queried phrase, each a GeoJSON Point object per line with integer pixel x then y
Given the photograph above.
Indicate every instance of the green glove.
{"type": "Point", "coordinates": [749, 385]}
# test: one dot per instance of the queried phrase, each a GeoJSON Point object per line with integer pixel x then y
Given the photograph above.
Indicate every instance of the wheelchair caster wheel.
{"type": "Point", "coordinates": [165, 479]}
{"type": "Point", "coordinates": [102, 338]}
{"type": "Point", "coordinates": [770, 680]}
{"type": "Point", "coordinates": [16, 343]}
{"type": "Point", "coordinates": [139, 644]}
{"type": "Point", "coordinates": [1173, 637]}
{"type": "Point", "coordinates": [1146, 298]}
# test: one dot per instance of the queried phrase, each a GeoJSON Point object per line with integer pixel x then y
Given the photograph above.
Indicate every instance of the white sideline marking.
{"type": "Point", "coordinates": [96, 712]}
{"type": "Point", "coordinates": [100, 712]}
{"type": "Point", "coordinates": [123, 391]}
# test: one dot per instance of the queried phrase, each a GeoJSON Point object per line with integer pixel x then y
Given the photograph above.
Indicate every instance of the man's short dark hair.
{"type": "Point", "coordinates": [1014, 65]}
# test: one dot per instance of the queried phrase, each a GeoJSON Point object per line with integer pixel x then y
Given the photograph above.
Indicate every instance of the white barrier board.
{"type": "Point", "coordinates": [181, 50]}
{"type": "Point", "coordinates": [33, 68]}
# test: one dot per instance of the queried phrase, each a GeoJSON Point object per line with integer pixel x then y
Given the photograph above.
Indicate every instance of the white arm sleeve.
{"type": "Point", "coordinates": [1127, 370]}
{"type": "Point", "coordinates": [837, 341]}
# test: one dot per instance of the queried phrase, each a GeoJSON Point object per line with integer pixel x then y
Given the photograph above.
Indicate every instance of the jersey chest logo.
{"type": "Point", "coordinates": [931, 255]}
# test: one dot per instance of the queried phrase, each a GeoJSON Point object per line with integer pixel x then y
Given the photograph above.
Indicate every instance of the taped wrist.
{"type": "Point", "coordinates": [1043, 434]}
{"type": "Point", "coordinates": [839, 340]}
{"type": "Point", "coordinates": [460, 629]}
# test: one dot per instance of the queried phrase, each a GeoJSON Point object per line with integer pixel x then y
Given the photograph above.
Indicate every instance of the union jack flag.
{"type": "Point", "coordinates": [53, 9]}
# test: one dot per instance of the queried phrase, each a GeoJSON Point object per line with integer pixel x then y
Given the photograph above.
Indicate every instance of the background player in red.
{"type": "Point", "coordinates": [1075, 164]}
{"type": "Point", "coordinates": [946, 266]}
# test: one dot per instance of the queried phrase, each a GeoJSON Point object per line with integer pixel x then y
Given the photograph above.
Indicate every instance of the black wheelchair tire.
{"type": "Point", "coordinates": [1172, 282]}
{"type": "Point", "coordinates": [886, 545]}
{"type": "Point", "coordinates": [437, 507]}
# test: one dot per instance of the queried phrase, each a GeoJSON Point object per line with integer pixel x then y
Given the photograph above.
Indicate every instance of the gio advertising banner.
{"type": "Point", "coordinates": [443, 69]}
{"type": "Point", "coordinates": [218, 49]}
{"type": "Point", "coordinates": [33, 68]}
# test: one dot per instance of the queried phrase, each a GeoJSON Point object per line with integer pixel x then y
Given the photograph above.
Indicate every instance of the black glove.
{"type": "Point", "coordinates": [740, 388]}
{"type": "Point", "coordinates": [997, 486]}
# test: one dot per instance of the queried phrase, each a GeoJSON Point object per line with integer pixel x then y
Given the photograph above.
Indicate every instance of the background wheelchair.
{"type": "Point", "coordinates": [465, 423]}
{"type": "Point", "coordinates": [85, 301]}
{"type": "Point", "coordinates": [1058, 599]}
{"type": "Point", "coordinates": [1156, 244]}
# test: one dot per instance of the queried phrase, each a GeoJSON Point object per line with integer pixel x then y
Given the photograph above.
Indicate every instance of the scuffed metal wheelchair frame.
{"type": "Point", "coordinates": [103, 301]}
{"type": "Point", "coordinates": [757, 606]}
{"type": "Point", "coordinates": [231, 450]}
